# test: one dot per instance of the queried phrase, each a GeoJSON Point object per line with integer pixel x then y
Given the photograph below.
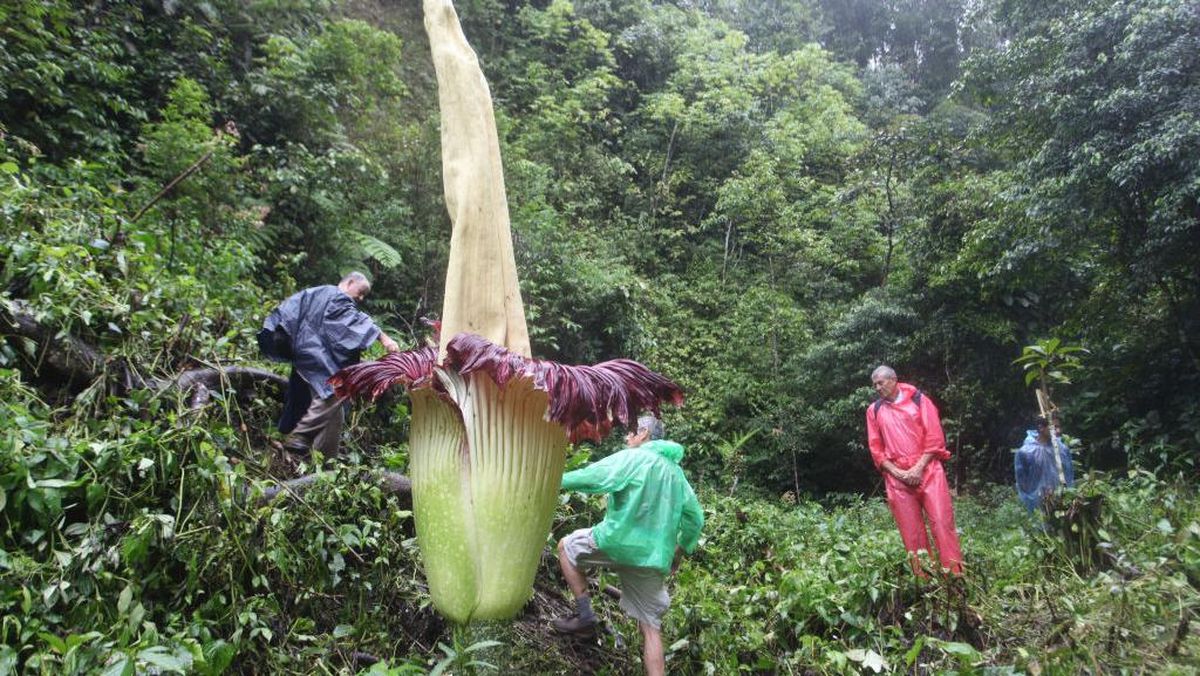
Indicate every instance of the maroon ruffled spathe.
{"type": "Point", "coordinates": [586, 400]}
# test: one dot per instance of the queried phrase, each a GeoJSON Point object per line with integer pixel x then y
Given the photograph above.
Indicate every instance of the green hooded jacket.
{"type": "Point", "coordinates": [651, 509]}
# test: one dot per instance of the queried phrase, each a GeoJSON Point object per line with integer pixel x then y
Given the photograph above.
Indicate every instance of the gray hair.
{"type": "Point", "coordinates": [883, 370]}
{"type": "Point", "coordinates": [356, 277]}
{"type": "Point", "coordinates": [653, 425]}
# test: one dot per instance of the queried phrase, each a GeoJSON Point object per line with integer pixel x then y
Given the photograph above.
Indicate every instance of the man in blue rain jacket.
{"type": "Point", "coordinates": [1035, 467]}
{"type": "Point", "coordinates": [319, 330]}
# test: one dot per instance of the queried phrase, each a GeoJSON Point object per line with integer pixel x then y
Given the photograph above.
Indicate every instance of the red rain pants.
{"type": "Point", "coordinates": [932, 497]}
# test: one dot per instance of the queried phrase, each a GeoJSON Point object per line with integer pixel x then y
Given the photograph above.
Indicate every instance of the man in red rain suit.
{"type": "Point", "coordinates": [908, 447]}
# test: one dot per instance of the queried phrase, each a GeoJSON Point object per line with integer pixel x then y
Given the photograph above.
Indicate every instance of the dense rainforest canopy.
{"type": "Point", "coordinates": [762, 199]}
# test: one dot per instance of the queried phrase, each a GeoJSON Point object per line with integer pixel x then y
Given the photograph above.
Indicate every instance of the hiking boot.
{"type": "Point", "coordinates": [573, 625]}
{"type": "Point", "coordinates": [294, 444]}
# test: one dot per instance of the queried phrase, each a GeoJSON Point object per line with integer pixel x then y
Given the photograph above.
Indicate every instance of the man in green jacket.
{"type": "Point", "coordinates": [653, 518]}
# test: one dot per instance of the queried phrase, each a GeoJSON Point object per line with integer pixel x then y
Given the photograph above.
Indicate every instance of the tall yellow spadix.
{"type": "Point", "coordinates": [482, 295]}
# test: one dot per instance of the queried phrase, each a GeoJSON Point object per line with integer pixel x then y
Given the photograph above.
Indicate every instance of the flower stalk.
{"type": "Point", "coordinates": [490, 425]}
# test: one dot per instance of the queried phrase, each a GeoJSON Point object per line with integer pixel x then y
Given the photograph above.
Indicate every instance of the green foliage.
{"type": "Point", "coordinates": [770, 25]}
{"type": "Point", "coordinates": [379, 251]}
{"type": "Point", "coordinates": [689, 186]}
{"type": "Point", "coordinates": [1105, 183]}
{"type": "Point", "coordinates": [1049, 361]}
{"type": "Point", "coordinates": [74, 263]}
{"type": "Point", "coordinates": [784, 587]}
{"type": "Point", "coordinates": [200, 575]}
{"type": "Point", "coordinates": [313, 90]}
{"type": "Point", "coordinates": [460, 659]}
{"type": "Point", "coordinates": [131, 540]}
{"type": "Point", "coordinates": [698, 185]}
{"type": "Point", "coordinates": [316, 107]}
{"type": "Point", "coordinates": [66, 87]}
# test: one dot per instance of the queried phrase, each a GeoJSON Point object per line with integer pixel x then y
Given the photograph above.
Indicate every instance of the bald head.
{"type": "Point", "coordinates": [356, 285]}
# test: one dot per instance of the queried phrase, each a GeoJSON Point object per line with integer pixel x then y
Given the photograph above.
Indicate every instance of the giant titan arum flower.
{"type": "Point", "coordinates": [490, 424]}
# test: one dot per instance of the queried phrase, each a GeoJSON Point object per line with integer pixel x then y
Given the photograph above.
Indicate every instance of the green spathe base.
{"type": "Point", "coordinates": [485, 482]}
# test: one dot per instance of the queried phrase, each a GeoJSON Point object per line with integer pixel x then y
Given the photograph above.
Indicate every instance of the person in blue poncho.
{"type": "Point", "coordinates": [1036, 470]}
{"type": "Point", "coordinates": [652, 520]}
{"type": "Point", "coordinates": [319, 330]}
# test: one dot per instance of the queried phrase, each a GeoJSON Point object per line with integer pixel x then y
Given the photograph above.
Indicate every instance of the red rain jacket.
{"type": "Point", "coordinates": [904, 431]}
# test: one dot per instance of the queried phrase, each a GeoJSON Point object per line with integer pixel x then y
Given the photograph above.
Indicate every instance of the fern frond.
{"type": "Point", "coordinates": [373, 247]}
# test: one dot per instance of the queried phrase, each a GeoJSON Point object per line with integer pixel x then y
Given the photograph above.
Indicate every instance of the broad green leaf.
{"type": "Point", "coordinates": [56, 644]}
{"type": "Point", "coordinates": [164, 658]}
{"type": "Point", "coordinates": [959, 649]}
{"type": "Point", "coordinates": [8, 660]}
{"type": "Point", "coordinates": [124, 599]}
{"type": "Point", "coordinates": [218, 655]}
{"type": "Point", "coordinates": [868, 658]}
{"type": "Point", "coordinates": [481, 645]}
{"type": "Point", "coordinates": [910, 657]}
{"type": "Point", "coordinates": [57, 483]}
{"type": "Point", "coordinates": [123, 666]}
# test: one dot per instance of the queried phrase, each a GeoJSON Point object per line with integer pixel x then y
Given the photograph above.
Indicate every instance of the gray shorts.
{"type": "Point", "coordinates": [643, 590]}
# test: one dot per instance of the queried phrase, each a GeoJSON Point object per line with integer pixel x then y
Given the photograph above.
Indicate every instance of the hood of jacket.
{"type": "Point", "coordinates": [1031, 439]}
{"type": "Point", "coordinates": [907, 389]}
{"type": "Point", "coordinates": [667, 449]}
{"type": "Point", "coordinates": [901, 389]}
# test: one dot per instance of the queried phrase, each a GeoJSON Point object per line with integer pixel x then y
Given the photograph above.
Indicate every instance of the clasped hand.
{"type": "Point", "coordinates": [910, 476]}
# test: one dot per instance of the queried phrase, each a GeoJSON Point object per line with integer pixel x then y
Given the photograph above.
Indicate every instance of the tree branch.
{"type": "Point", "coordinates": [230, 128]}
{"type": "Point", "coordinates": [391, 482]}
{"type": "Point", "coordinates": [80, 362]}
{"type": "Point", "coordinates": [66, 354]}
{"type": "Point", "coordinates": [212, 378]}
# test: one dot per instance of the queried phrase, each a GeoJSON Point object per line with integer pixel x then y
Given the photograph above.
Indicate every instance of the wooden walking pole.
{"type": "Point", "coordinates": [1049, 414]}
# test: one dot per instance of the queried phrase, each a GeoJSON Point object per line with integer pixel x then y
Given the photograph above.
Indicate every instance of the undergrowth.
{"type": "Point", "coordinates": [799, 588]}
{"type": "Point", "coordinates": [150, 549]}
{"type": "Point", "coordinates": [134, 537]}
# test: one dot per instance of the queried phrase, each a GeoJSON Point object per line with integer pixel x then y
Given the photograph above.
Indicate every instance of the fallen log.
{"type": "Point", "coordinates": [239, 376]}
{"type": "Point", "coordinates": [78, 363]}
{"type": "Point", "coordinates": [390, 482]}
{"type": "Point", "coordinates": [199, 383]}
{"type": "Point", "coordinates": [66, 354]}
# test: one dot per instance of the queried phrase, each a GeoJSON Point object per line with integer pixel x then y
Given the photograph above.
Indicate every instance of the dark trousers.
{"type": "Point", "coordinates": [321, 425]}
